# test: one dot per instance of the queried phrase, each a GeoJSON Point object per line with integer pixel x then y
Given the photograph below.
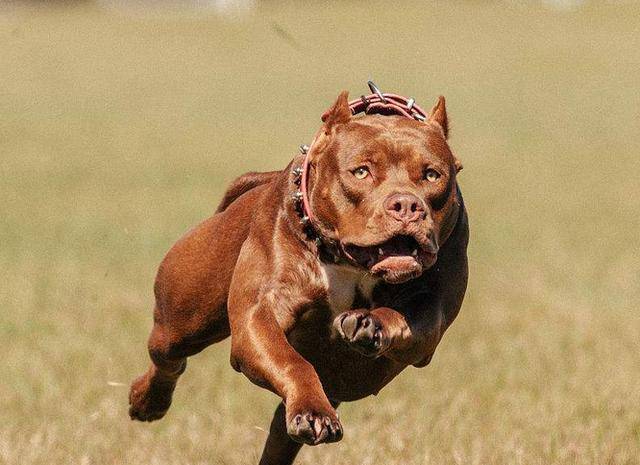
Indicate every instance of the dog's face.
{"type": "Point", "coordinates": [385, 188]}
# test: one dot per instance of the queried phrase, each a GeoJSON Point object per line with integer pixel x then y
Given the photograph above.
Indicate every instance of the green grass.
{"type": "Point", "coordinates": [119, 131]}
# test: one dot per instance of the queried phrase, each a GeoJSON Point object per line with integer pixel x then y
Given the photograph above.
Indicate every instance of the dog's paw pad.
{"type": "Point", "coordinates": [361, 331]}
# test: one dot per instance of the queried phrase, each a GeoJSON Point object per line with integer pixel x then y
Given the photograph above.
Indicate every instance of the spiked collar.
{"type": "Point", "coordinates": [374, 103]}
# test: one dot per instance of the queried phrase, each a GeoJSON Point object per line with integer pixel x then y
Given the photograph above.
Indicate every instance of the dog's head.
{"type": "Point", "coordinates": [384, 188]}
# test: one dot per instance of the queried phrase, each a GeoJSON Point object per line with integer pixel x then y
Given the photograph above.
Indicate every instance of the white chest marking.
{"type": "Point", "coordinates": [342, 283]}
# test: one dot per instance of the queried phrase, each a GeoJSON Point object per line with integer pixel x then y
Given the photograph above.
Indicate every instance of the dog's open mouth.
{"type": "Point", "coordinates": [398, 246]}
{"type": "Point", "coordinates": [397, 260]}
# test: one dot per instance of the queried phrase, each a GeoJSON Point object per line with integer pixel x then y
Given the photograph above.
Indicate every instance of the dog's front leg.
{"type": "Point", "coordinates": [260, 350]}
{"type": "Point", "coordinates": [386, 332]}
{"type": "Point", "coordinates": [410, 332]}
{"type": "Point", "coordinates": [260, 315]}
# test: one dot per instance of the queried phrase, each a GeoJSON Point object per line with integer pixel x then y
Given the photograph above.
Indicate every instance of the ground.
{"type": "Point", "coordinates": [120, 129]}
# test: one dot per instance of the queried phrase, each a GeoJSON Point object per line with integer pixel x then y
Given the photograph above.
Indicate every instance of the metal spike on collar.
{"type": "Point", "coordinates": [304, 220]}
{"type": "Point", "coordinates": [297, 196]}
{"type": "Point", "coordinates": [304, 149]}
{"type": "Point", "coordinates": [297, 176]}
{"type": "Point", "coordinates": [376, 90]}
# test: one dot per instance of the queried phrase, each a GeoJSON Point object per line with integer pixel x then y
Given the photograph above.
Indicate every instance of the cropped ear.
{"type": "Point", "coordinates": [439, 115]}
{"type": "Point", "coordinates": [457, 163]}
{"type": "Point", "coordinates": [339, 113]}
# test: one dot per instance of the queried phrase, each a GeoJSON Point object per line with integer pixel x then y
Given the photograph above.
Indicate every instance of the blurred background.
{"type": "Point", "coordinates": [122, 122]}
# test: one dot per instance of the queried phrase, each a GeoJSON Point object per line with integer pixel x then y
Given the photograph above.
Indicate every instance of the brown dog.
{"type": "Point", "coordinates": [331, 276]}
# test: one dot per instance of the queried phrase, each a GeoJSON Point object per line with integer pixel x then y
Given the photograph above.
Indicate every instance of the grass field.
{"type": "Point", "coordinates": [119, 130]}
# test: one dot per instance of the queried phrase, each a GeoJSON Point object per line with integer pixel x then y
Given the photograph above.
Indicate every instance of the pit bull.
{"type": "Point", "coordinates": [331, 276]}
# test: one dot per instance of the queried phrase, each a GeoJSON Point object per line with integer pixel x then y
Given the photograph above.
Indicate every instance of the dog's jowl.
{"type": "Point", "coordinates": [331, 276]}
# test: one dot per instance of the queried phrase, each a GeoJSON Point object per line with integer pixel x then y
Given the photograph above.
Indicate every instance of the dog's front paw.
{"type": "Point", "coordinates": [313, 425]}
{"type": "Point", "coordinates": [362, 331]}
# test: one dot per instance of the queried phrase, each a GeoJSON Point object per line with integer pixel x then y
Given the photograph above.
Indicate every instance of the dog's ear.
{"type": "Point", "coordinates": [439, 115]}
{"type": "Point", "coordinates": [457, 163]}
{"type": "Point", "coordinates": [339, 113]}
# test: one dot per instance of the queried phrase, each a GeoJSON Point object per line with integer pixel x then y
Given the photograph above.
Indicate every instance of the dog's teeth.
{"type": "Point", "coordinates": [415, 252]}
{"type": "Point", "coordinates": [380, 251]}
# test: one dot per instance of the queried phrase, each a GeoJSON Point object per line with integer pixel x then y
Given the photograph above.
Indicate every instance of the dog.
{"type": "Point", "coordinates": [331, 276]}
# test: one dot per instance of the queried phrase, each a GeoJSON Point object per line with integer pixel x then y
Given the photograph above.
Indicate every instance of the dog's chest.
{"type": "Point", "coordinates": [346, 285]}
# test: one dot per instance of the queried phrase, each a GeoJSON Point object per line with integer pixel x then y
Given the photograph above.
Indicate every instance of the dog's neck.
{"type": "Point", "coordinates": [327, 249]}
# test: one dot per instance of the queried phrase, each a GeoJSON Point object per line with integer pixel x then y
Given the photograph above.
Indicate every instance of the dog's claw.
{"type": "Point", "coordinates": [314, 428]}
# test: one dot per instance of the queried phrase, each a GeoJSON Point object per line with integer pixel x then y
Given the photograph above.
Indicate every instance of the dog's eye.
{"type": "Point", "coordinates": [361, 172]}
{"type": "Point", "coordinates": [431, 175]}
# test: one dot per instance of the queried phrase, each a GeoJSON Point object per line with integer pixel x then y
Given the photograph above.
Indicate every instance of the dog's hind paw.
{"type": "Point", "coordinates": [149, 399]}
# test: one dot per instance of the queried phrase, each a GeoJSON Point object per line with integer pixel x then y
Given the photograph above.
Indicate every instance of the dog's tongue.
{"type": "Point", "coordinates": [397, 268]}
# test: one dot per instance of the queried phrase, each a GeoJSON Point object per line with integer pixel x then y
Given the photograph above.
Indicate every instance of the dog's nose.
{"type": "Point", "coordinates": [404, 207]}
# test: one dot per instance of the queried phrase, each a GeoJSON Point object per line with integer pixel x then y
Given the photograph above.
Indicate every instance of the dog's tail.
{"type": "Point", "coordinates": [243, 184]}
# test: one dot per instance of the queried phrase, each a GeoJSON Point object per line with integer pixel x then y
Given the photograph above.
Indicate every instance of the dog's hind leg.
{"type": "Point", "coordinates": [280, 449]}
{"type": "Point", "coordinates": [191, 291]}
{"type": "Point", "coordinates": [150, 394]}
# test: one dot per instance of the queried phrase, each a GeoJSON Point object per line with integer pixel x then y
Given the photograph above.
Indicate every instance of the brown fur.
{"type": "Point", "coordinates": [316, 333]}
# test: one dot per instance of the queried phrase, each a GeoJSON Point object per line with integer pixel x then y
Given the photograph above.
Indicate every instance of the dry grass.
{"type": "Point", "coordinates": [119, 131]}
